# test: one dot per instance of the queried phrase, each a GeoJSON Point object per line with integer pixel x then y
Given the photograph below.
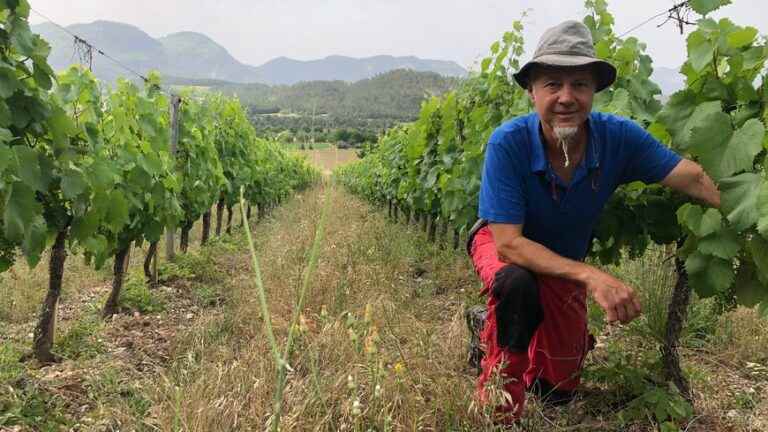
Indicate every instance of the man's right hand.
{"type": "Point", "coordinates": [615, 297]}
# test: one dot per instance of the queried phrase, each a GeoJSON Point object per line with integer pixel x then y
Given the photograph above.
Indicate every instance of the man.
{"type": "Point", "coordinates": [546, 178]}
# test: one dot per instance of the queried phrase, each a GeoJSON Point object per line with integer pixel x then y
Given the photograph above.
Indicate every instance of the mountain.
{"type": "Point", "coordinates": [283, 70]}
{"type": "Point", "coordinates": [196, 56]}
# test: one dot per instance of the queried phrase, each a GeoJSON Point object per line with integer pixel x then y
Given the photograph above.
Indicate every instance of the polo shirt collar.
{"type": "Point", "coordinates": [539, 159]}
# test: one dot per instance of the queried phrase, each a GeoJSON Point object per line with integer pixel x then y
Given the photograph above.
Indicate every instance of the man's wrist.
{"type": "Point", "coordinates": [579, 272]}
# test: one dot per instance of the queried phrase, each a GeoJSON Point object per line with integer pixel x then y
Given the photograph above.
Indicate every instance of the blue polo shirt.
{"type": "Point", "coordinates": [520, 187]}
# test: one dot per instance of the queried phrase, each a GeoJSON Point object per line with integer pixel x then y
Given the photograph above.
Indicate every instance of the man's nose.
{"type": "Point", "coordinates": [566, 95]}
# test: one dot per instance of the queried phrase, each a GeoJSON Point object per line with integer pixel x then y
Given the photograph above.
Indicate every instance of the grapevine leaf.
{"type": "Point", "coordinates": [28, 168]}
{"type": "Point", "coordinates": [762, 209]}
{"type": "Point", "coordinates": [703, 7]}
{"type": "Point", "coordinates": [739, 199]}
{"type": "Point", "coordinates": [749, 290]}
{"type": "Point", "coordinates": [723, 152]}
{"type": "Point", "coordinates": [709, 275]}
{"type": "Point", "coordinates": [72, 184]}
{"type": "Point", "coordinates": [700, 50]}
{"type": "Point", "coordinates": [681, 116]}
{"type": "Point", "coordinates": [5, 157]}
{"type": "Point", "coordinates": [659, 132]}
{"type": "Point", "coordinates": [6, 136]}
{"type": "Point", "coordinates": [117, 213]}
{"type": "Point", "coordinates": [742, 37]}
{"type": "Point", "coordinates": [758, 248]}
{"type": "Point", "coordinates": [97, 245]}
{"type": "Point", "coordinates": [724, 244]}
{"type": "Point", "coordinates": [9, 82]}
{"type": "Point", "coordinates": [701, 223]}
{"type": "Point", "coordinates": [762, 309]}
{"type": "Point", "coordinates": [86, 226]}
{"type": "Point", "coordinates": [35, 241]}
{"type": "Point", "coordinates": [20, 210]}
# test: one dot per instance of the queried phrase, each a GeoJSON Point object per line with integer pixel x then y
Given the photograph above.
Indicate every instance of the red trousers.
{"type": "Point", "coordinates": [558, 347]}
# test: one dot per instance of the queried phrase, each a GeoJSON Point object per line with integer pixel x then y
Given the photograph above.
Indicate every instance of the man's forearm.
{"type": "Point", "coordinates": [541, 260]}
{"type": "Point", "coordinates": [689, 178]}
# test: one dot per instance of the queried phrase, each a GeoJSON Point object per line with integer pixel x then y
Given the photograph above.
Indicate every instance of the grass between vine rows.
{"type": "Point", "coordinates": [381, 345]}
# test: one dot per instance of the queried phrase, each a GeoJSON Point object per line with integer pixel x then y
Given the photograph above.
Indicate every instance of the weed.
{"type": "Point", "coordinates": [197, 266]}
{"type": "Point", "coordinates": [82, 339]}
{"type": "Point", "coordinates": [136, 296]}
{"type": "Point", "coordinates": [110, 387]}
{"type": "Point", "coordinates": [10, 367]}
{"type": "Point", "coordinates": [206, 295]}
{"type": "Point", "coordinates": [28, 405]}
{"type": "Point", "coordinates": [634, 387]}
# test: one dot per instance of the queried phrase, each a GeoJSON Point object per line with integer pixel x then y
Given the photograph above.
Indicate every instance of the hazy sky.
{"type": "Point", "coordinates": [258, 30]}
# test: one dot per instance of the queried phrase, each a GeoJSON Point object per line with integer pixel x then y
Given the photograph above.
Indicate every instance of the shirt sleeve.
{"type": "Point", "coordinates": [648, 160]}
{"type": "Point", "coordinates": [502, 196]}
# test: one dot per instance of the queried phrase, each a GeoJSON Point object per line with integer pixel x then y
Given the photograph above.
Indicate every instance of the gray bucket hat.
{"type": "Point", "coordinates": [568, 44]}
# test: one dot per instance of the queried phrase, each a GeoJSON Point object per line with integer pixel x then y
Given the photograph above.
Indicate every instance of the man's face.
{"type": "Point", "coordinates": [562, 96]}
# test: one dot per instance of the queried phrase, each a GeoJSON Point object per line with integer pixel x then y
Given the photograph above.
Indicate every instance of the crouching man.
{"type": "Point", "coordinates": [546, 178]}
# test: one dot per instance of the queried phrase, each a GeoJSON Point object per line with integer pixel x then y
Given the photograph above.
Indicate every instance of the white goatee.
{"type": "Point", "coordinates": [564, 135]}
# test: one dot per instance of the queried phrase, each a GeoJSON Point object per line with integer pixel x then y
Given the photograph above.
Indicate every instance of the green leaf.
{"type": "Point", "coordinates": [739, 199]}
{"type": "Point", "coordinates": [35, 241]}
{"type": "Point", "coordinates": [28, 168]}
{"type": "Point", "coordinates": [5, 157]}
{"type": "Point", "coordinates": [701, 223]}
{"type": "Point", "coordinates": [758, 249]}
{"type": "Point", "coordinates": [20, 211]}
{"type": "Point", "coordinates": [700, 50]}
{"type": "Point", "coordinates": [762, 209]}
{"type": "Point", "coordinates": [709, 275]}
{"type": "Point", "coordinates": [6, 136]}
{"type": "Point", "coordinates": [73, 184]}
{"type": "Point", "coordinates": [721, 151]}
{"type": "Point", "coordinates": [485, 64]}
{"type": "Point", "coordinates": [9, 82]}
{"type": "Point", "coordinates": [103, 174]}
{"type": "Point", "coordinates": [703, 7]}
{"type": "Point", "coordinates": [86, 226]}
{"type": "Point", "coordinates": [42, 77]}
{"type": "Point", "coordinates": [748, 289]}
{"type": "Point", "coordinates": [118, 211]}
{"type": "Point", "coordinates": [697, 119]}
{"type": "Point", "coordinates": [724, 244]}
{"type": "Point", "coordinates": [762, 309]}
{"type": "Point", "coordinates": [742, 37]}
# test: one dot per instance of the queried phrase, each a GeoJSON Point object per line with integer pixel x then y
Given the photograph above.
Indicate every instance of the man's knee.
{"type": "Point", "coordinates": [518, 308]}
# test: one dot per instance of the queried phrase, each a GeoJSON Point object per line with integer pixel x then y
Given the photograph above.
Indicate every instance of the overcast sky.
{"type": "Point", "coordinates": [255, 31]}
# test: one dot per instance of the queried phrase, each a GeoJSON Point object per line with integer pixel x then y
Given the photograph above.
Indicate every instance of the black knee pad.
{"type": "Point", "coordinates": [518, 311]}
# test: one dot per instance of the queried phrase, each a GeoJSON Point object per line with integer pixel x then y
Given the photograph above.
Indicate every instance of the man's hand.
{"type": "Point", "coordinates": [614, 296]}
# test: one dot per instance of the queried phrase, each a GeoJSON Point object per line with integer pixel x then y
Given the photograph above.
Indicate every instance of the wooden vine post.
{"type": "Point", "coordinates": [170, 252]}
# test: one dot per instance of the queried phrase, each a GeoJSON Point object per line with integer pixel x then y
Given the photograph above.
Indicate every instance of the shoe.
{"type": "Point", "coordinates": [548, 394]}
{"type": "Point", "coordinates": [475, 317]}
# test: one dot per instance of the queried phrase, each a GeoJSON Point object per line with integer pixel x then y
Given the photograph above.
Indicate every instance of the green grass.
{"type": "Point", "coordinates": [136, 296]}
{"type": "Point", "coordinates": [23, 401]}
{"type": "Point", "coordinates": [83, 339]}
